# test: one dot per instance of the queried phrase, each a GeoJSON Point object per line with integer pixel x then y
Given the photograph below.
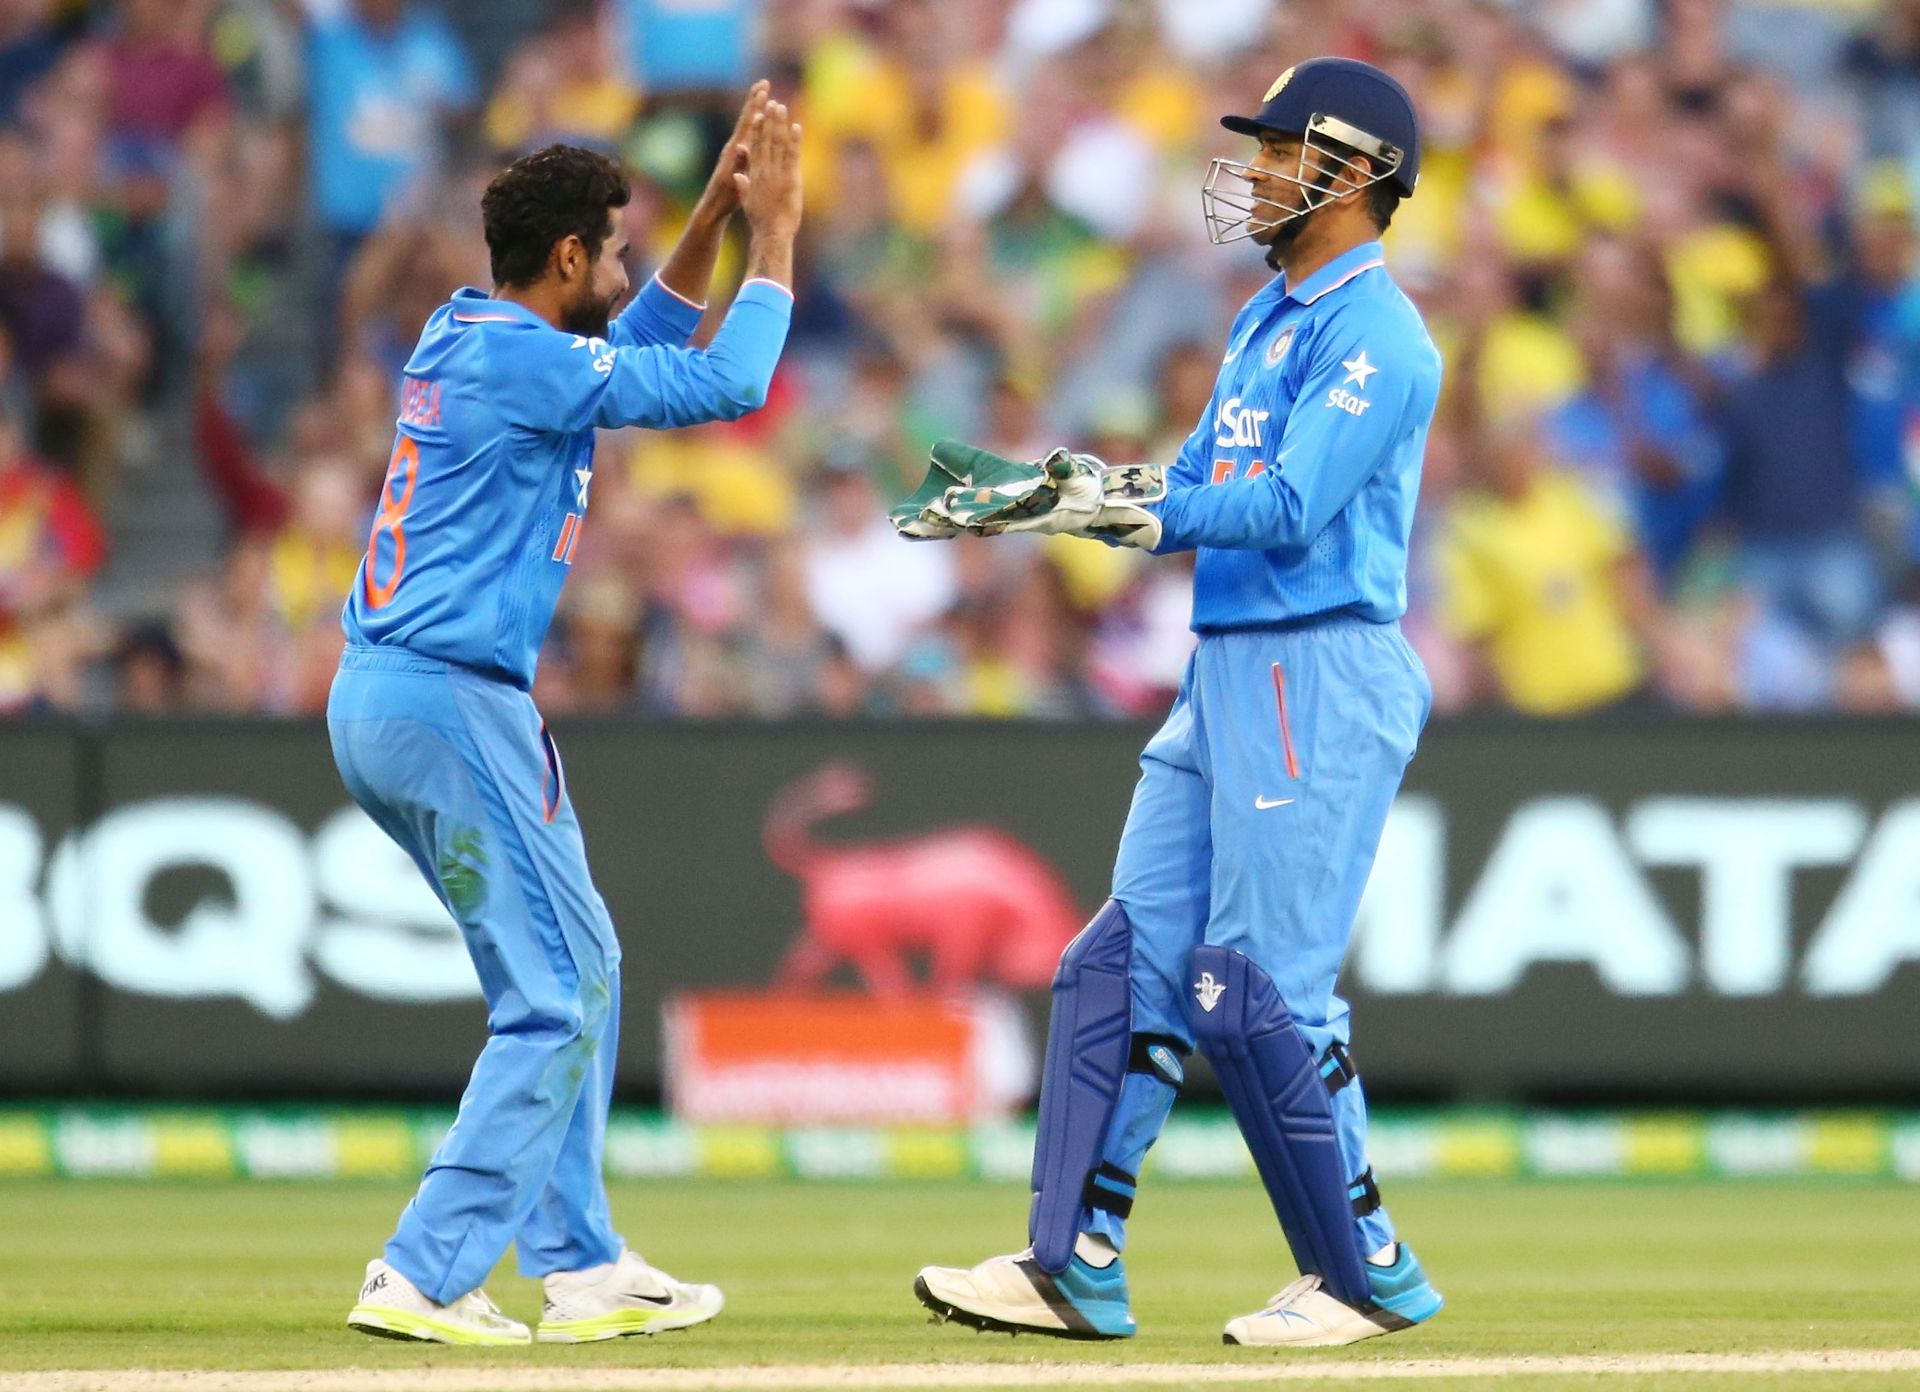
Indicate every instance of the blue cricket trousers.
{"type": "Point", "coordinates": [459, 770]}
{"type": "Point", "coordinates": [1254, 825]}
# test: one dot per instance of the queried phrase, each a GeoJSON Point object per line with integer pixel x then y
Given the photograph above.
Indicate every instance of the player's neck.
{"type": "Point", "coordinates": [1317, 247]}
{"type": "Point", "coordinates": [542, 299]}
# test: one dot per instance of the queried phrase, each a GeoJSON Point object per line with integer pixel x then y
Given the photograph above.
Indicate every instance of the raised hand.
{"type": "Point", "coordinates": [721, 197]}
{"type": "Point", "coordinates": [769, 187]}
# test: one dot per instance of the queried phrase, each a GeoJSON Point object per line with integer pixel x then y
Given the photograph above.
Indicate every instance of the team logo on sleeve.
{"type": "Point", "coordinates": [1358, 371]}
{"type": "Point", "coordinates": [1277, 349]}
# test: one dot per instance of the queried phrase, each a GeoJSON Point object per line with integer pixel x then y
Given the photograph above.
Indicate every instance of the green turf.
{"type": "Point", "coordinates": [260, 1275]}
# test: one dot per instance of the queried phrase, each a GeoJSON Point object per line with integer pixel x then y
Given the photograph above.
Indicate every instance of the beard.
{"type": "Point", "coordinates": [590, 318]}
{"type": "Point", "coordinates": [1282, 238]}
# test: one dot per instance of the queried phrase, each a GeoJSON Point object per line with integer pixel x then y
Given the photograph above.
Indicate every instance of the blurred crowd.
{"type": "Point", "coordinates": [1667, 248]}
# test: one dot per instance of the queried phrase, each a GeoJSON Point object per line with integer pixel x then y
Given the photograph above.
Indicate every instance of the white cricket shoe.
{"type": "Point", "coordinates": [1304, 1315]}
{"type": "Point", "coordinates": [392, 1307]}
{"type": "Point", "coordinates": [620, 1298]}
{"type": "Point", "coordinates": [1014, 1295]}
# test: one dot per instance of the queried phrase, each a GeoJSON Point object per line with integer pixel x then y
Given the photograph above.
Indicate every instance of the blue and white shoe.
{"type": "Point", "coordinates": [1015, 1296]}
{"type": "Point", "coordinates": [1305, 1316]}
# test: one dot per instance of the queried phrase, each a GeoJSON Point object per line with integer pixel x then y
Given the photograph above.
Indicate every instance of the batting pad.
{"type": "Point", "coordinates": [1273, 1084]}
{"type": "Point", "coordinates": [1089, 1043]}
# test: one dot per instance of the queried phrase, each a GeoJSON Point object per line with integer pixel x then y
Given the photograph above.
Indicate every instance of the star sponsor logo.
{"type": "Point", "coordinates": [1359, 372]}
{"type": "Point", "coordinates": [1238, 426]}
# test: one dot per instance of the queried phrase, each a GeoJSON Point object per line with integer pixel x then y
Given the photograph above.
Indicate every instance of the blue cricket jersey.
{"type": "Point", "coordinates": [486, 494]}
{"type": "Point", "coordinates": [1298, 486]}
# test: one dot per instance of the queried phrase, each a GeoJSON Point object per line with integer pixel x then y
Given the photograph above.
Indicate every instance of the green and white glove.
{"type": "Point", "coordinates": [1086, 498]}
{"type": "Point", "coordinates": [968, 489]}
{"type": "Point", "coordinates": [978, 482]}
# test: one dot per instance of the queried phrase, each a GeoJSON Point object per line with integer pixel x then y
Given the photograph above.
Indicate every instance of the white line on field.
{"type": "Point", "coordinates": [947, 1375]}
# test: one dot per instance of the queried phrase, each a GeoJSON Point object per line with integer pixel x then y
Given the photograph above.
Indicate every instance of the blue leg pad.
{"type": "Point", "coordinates": [1278, 1096]}
{"type": "Point", "coordinates": [1089, 1041]}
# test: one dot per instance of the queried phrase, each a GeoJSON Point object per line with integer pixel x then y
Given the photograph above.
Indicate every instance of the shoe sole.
{"type": "Point", "coordinates": [420, 1329]}
{"type": "Point", "coordinates": [621, 1326]}
{"type": "Point", "coordinates": [948, 1311]}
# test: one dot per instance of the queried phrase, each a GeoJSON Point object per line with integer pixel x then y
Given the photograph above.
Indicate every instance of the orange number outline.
{"type": "Point", "coordinates": [393, 511]}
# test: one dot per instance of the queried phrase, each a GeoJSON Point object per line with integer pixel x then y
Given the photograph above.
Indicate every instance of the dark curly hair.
{"type": "Point", "coordinates": [557, 192]}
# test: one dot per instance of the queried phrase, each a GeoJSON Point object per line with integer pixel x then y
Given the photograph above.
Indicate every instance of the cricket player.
{"type": "Point", "coordinates": [435, 735]}
{"type": "Point", "coordinates": [1261, 800]}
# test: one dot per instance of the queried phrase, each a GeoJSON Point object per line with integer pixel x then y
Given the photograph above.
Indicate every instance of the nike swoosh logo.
{"type": "Point", "coordinates": [1264, 803]}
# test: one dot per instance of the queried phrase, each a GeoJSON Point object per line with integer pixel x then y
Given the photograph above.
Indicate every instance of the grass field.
{"type": "Point", "coordinates": [258, 1276]}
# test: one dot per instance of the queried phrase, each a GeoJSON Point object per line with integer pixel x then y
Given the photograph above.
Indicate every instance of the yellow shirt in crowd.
{"type": "Point", "coordinates": [1533, 580]}
{"type": "Point", "coordinates": [852, 94]}
{"type": "Point", "coordinates": [309, 577]}
{"type": "Point", "coordinates": [737, 485]}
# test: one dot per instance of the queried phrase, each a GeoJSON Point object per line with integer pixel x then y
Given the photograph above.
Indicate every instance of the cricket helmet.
{"type": "Point", "coordinates": [1340, 108]}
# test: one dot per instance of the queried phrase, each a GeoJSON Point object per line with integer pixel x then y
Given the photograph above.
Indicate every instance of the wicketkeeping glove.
{"type": "Point", "coordinates": [977, 480]}
{"type": "Point", "coordinates": [1082, 496]}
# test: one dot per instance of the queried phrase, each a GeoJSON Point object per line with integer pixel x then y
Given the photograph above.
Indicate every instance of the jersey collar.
{"type": "Point", "coordinates": [474, 306]}
{"type": "Point", "coordinates": [1336, 273]}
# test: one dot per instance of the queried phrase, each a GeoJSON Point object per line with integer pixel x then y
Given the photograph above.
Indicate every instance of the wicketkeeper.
{"type": "Point", "coordinates": [1261, 800]}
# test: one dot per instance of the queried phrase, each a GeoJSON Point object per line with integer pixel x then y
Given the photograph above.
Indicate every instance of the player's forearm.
{"type": "Point", "coordinates": [664, 388]}
{"type": "Point", "coordinates": [1250, 514]}
{"type": "Point", "coordinates": [770, 256]}
{"type": "Point", "coordinates": [747, 349]}
{"type": "Point", "coordinates": [688, 272]}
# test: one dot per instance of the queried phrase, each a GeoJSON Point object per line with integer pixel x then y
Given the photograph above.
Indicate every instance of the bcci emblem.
{"type": "Point", "coordinates": [1277, 349]}
{"type": "Point", "coordinates": [1278, 83]}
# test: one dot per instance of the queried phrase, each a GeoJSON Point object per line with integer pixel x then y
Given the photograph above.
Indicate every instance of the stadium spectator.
{"type": "Point", "coordinates": [161, 79]}
{"type": "Point", "coordinates": [382, 75]}
{"type": "Point", "coordinates": [51, 545]}
{"type": "Point", "coordinates": [30, 46]}
{"type": "Point", "coordinates": [1546, 584]}
{"type": "Point", "coordinates": [149, 671]}
{"type": "Point", "coordinates": [1639, 431]}
{"type": "Point", "coordinates": [865, 586]}
{"type": "Point", "coordinates": [1794, 481]}
{"type": "Point", "coordinates": [565, 85]}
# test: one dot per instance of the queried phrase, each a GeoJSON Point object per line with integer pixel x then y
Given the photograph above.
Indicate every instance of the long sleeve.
{"type": "Point", "coordinates": [656, 316]}
{"type": "Point", "coordinates": [1354, 406]}
{"type": "Point", "coordinates": [1189, 466]}
{"type": "Point", "coordinates": [550, 381]}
